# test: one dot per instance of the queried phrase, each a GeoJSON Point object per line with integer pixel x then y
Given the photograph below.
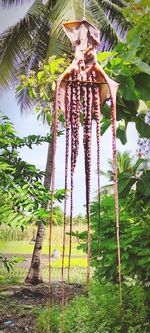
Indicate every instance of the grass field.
{"type": "Point", "coordinates": [26, 246]}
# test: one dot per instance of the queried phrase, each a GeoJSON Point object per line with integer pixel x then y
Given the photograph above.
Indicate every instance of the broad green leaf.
{"type": "Point", "coordinates": [121, 133]}
{"type": "Point", "coordinates": [128, 56]}
{"type": "Point", "coordinates": [116, 64]}
{"type": "Point", "coordinates": [142, 85]}
{"type": "Point", "coordinates": [105, 123]}
{"type": "Point", "coordinates": [105, 55]}
{"type": "Point", "coordinates": [127, 88]}
{"type": "Point", "coordinates": [5, 166]}
{"type": "Point", "coordinates": [143, 185]}
{"type": "Point", "coordinates": [133, 38]}
{"type": "Point", "coordinates": [40, 75]}
{"type": "Point", "coordinates": [124, 185]}
{"type": "Point", "coordinates": [142, 127]}
{"type": "Point", "coordinates": [142, 66]}
{"type": "Point", "coordinates": [138, 163]}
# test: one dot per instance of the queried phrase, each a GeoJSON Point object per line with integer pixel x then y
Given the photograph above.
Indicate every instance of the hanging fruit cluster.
{"type": "Point", "coordinates": [83, 89]}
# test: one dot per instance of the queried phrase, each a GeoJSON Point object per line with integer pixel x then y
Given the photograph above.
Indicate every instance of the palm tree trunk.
{"type": "Point", "coordinates": [34, 275]}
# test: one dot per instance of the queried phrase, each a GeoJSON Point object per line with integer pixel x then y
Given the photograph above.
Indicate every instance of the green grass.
{"type": "Point", "coordinates": [14, 277]}
{"type": "Point", "coordinates": [75, 262]}
{"type": "Point", "coordinates": [100, 313]}
{"type": "Point", "coordinates": [17, 276]}
{"type": "Point", "coordinates": [22, 247]}
{"type": "Point", "coordinates": [26, 247]}
{"type": "Point", "coordinates": [77, 272]}
{"type": "Point", "coordinates": [17, 247]}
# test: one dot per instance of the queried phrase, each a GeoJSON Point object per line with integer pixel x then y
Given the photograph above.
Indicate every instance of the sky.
{"type": "Point", "coordinates": [27, 124]}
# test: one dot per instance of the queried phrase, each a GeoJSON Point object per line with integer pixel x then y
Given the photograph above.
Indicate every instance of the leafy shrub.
{"type": "Point", "coordinates": [134, 238]}
{"type": "Point", "coordinates": [9, 263]}
{"type": "Point", "coordinates": [100, 313]}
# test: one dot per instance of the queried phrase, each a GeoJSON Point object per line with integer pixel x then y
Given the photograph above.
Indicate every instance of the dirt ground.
{"type": "Point", "coordinates": [18, 302]}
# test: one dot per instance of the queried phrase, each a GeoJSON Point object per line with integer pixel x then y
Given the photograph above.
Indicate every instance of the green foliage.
{"type": "Point", "coordinates": [101, 313]}
{"type": "Point", "coordinates": [77, 220]}
{"type": "Point", "coordinates": [58, 216]}
{"type": "Point", "coordinates": [134, 217]}
{"type": "Point", "coordinates": [22, 194]}
{"type": "Point", "coordinates": [13, 277]}
{"type": "Point", "coordinates": [133, 75]}
{"type": "Point", "coordinates": [105, 56]}
{"type": "Point", "coordinates": [41, 86]}
{"type": "Point", "coordinates": [9, 263]}
{"type": "Point", "coordinates": [39, 34]}
{"type": "Point", "coordinates": [42, 323]}
{"type": "Point", "coordinates": [132, 172]}
{"type": "Point", "coordinates": [138, 12]}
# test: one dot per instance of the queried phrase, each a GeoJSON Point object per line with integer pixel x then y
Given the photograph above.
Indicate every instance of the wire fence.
{"type": "Point", "coordinates": [17, 276]}
{"type": "Point", "coordinates": [21, 243]}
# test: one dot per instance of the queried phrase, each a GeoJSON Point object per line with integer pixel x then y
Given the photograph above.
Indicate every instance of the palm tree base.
{"type": "Point", "coordinates": [33, 277]}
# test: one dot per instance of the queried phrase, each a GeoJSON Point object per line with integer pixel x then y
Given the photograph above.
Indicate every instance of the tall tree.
{"type": "Point", "coordinates": [131, 171]}
{"type": "Point", "coordinates": [39, 34]}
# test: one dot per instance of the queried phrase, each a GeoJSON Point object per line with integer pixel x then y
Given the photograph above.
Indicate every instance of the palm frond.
{"type": "Point", "coordinates": [120, 3]}
{"type": "Point", "coordinates": [107, 189]}
{"type": "Point", "coordinates": [23, 98]}
{"type": "Point", "coordinates": [109, 37]}
{"type": "Point", "coordinates": [58, 46]}
{"type": "Point", "coordinates": [63, 11]}
{"type": "Point", "coordinates": [31, 61]}
{"type": "Point", "coordinates": [115, 15]}
{"type": "Point", "coordinates": [40, 34]}
{"type": "Point", "coordinates": [17, 40]}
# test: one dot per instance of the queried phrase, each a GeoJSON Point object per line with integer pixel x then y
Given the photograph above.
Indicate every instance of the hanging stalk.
{"type": "Point", "coordinates": [77, 118]}
{"type": "Point", "coordinates": [97, 114]}
{"type": "Point", "coordinates": [113, 122]}
{"type": "Point", "coordinates": [67, 116]}
{"type": "Point", "coordinates": [55, 128]}
{"type": "Point", "coordinates": [73, 117]}
{"type": "Point", "coordinates": [87, 109]}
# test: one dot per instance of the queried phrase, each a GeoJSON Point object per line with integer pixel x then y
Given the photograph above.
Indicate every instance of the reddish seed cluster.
{"type": "Point", "coordinates": [87, 153]}
{"type": "Point", "coordinates": [83, 95]}
{"type": "Point", "coordinates": [83, 81]}
{"type": "Point", "coordinates": [97, 115]}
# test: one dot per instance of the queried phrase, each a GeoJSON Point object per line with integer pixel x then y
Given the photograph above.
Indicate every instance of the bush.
{"type": "Point", "coordinates": [134, 218]}
{"type": "Point", "coordinates": [100, 313]}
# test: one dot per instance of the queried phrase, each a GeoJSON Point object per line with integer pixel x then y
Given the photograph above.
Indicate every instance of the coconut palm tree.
{"type": "Point", "coordinates": [124, 164]}
{"type": "Point", "coordinates": [37, 36]}
{"type": "Point", "coordinates": [34, 275]}
{"type": "Point", "coordinates": [129, 172]}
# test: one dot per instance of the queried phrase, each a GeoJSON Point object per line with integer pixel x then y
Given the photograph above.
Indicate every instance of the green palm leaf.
{"type": "Point", "coordinates": [103, 18]}
{"type": "Point", "coordinates": [17, 42]}
{"type": "Point", "coordinates": [35, 54]}
{"type": "Point", "coordinates": [39, 35]}
{"type": "Point", "coordinates": [114, 14]}
{"type": "Point", "coordinates": [120, 3]}
{"type": "Point", "coordinates": [63, 11]}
